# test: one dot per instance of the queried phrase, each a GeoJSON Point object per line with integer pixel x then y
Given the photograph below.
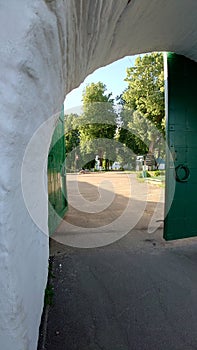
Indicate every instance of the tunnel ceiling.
{"type": "Point", "coordinates": [102, 31]}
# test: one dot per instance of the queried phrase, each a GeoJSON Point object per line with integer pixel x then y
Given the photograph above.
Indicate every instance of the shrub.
{"type": "Point", "coordinates": [140, 175]}
{"type": "Point", "coordinates": [159, 172]}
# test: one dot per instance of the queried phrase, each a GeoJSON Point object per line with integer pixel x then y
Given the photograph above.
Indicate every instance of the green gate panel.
{"type": "Point", "coordinates": [181, 170]}
{"type": "Point", "coordinates": [57, 177]}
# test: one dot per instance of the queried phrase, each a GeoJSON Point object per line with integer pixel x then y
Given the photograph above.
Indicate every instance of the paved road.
{"type": "Point", "coordinates": [138, 293]}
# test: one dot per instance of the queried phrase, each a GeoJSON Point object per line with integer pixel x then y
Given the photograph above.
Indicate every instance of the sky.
{"type": "Point", "coordinates": [112, 76]}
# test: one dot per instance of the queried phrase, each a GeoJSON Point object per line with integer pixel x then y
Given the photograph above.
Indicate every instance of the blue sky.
{"type": "Point", "coordinates": [112, 76]}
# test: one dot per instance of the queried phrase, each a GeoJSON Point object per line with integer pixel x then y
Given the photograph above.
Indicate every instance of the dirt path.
{"type": "Point", "coordinates": [103, 207]}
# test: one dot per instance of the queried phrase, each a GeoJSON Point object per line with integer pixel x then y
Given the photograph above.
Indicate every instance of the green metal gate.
{"type": "Point", "coordinates": [57, 177]}
{"type": "Point", "coordinates": [181, 200]}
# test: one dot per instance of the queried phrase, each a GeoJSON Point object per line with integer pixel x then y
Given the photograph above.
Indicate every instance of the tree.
{"type": "Point", "coordinates": [143, 114]}
{"type": "Point", "coordinates": [145, 92]}
{"type": "Point", "coordinates": [145, 132]}
{"type": "Point", "coordinates": [95, 92]}
{"type": "Point", "coordinates": [72, 140]}
{"type": "Point", "coordinates": [129, 136]}
{"type": "Point", "coordinates": [97, 123]}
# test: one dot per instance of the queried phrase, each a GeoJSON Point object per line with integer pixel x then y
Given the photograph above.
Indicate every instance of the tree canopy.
{"type": "Point", "coordinates": [97, 122]}
{"type": "Point", "coordinates": [143, 107]}
{"type": "Point", "coordinates": [72, 139]}
{"type": "Point", "coordinates": [145, 92]}
{"type": "Point", "coordinates": [95, 92]}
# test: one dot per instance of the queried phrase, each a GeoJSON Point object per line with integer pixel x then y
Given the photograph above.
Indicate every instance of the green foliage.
{"type": "Point", "coordinates": [138, 133]}
{"type": "Point", "coordinates": [159, 172]}
{"type": "Point", "coordinates": [97, 123]}
{"type": "Point", "coordinates": [95, 92]}
{"type": "Point", "coordinates": [145, 92]}
{"type": "Point", "coordinates": [128, 133]}
{"type": "Point", "coordinates": [49, 292]}
{"type": "Point", "coordinates": [140, 175]}
{"type": "Point", "coordinates": [143, 111]}
{"type": "Point", "coordinates": [72, 139]}
{"type": "Point", "coordinates": [89, 165]}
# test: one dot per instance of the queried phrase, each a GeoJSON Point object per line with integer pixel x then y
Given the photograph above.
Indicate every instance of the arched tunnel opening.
{"type": "Point", "coordinates": [95, 141]}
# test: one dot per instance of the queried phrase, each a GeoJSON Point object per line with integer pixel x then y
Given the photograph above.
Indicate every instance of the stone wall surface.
{"type": "Point", "coordinates": [48, 48]}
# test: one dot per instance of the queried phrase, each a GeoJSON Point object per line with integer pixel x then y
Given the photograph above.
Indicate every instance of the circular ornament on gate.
{"type": "Point", "coordinates": [182, 173]}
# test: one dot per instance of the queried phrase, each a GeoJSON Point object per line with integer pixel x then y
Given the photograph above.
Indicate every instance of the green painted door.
{"type": "Point", "coordinates": [181, 172]}
{"type": "Point", "coordinates": [57, 177]}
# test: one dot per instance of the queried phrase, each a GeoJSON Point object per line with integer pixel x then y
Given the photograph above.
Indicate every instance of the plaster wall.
{"type": "Point", "coordinates": [47, 48]}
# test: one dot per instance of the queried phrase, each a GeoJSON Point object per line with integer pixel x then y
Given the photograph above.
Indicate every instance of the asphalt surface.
{"type": "Point", "coordinates": [138, 293]}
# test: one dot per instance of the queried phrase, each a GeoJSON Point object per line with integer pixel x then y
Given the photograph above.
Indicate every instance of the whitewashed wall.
{"type": "Point", "coordinates": [47, 48]}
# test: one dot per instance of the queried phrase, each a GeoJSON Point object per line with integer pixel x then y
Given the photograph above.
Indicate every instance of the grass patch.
{"type": "Point", "coordinates": [156, 177]}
